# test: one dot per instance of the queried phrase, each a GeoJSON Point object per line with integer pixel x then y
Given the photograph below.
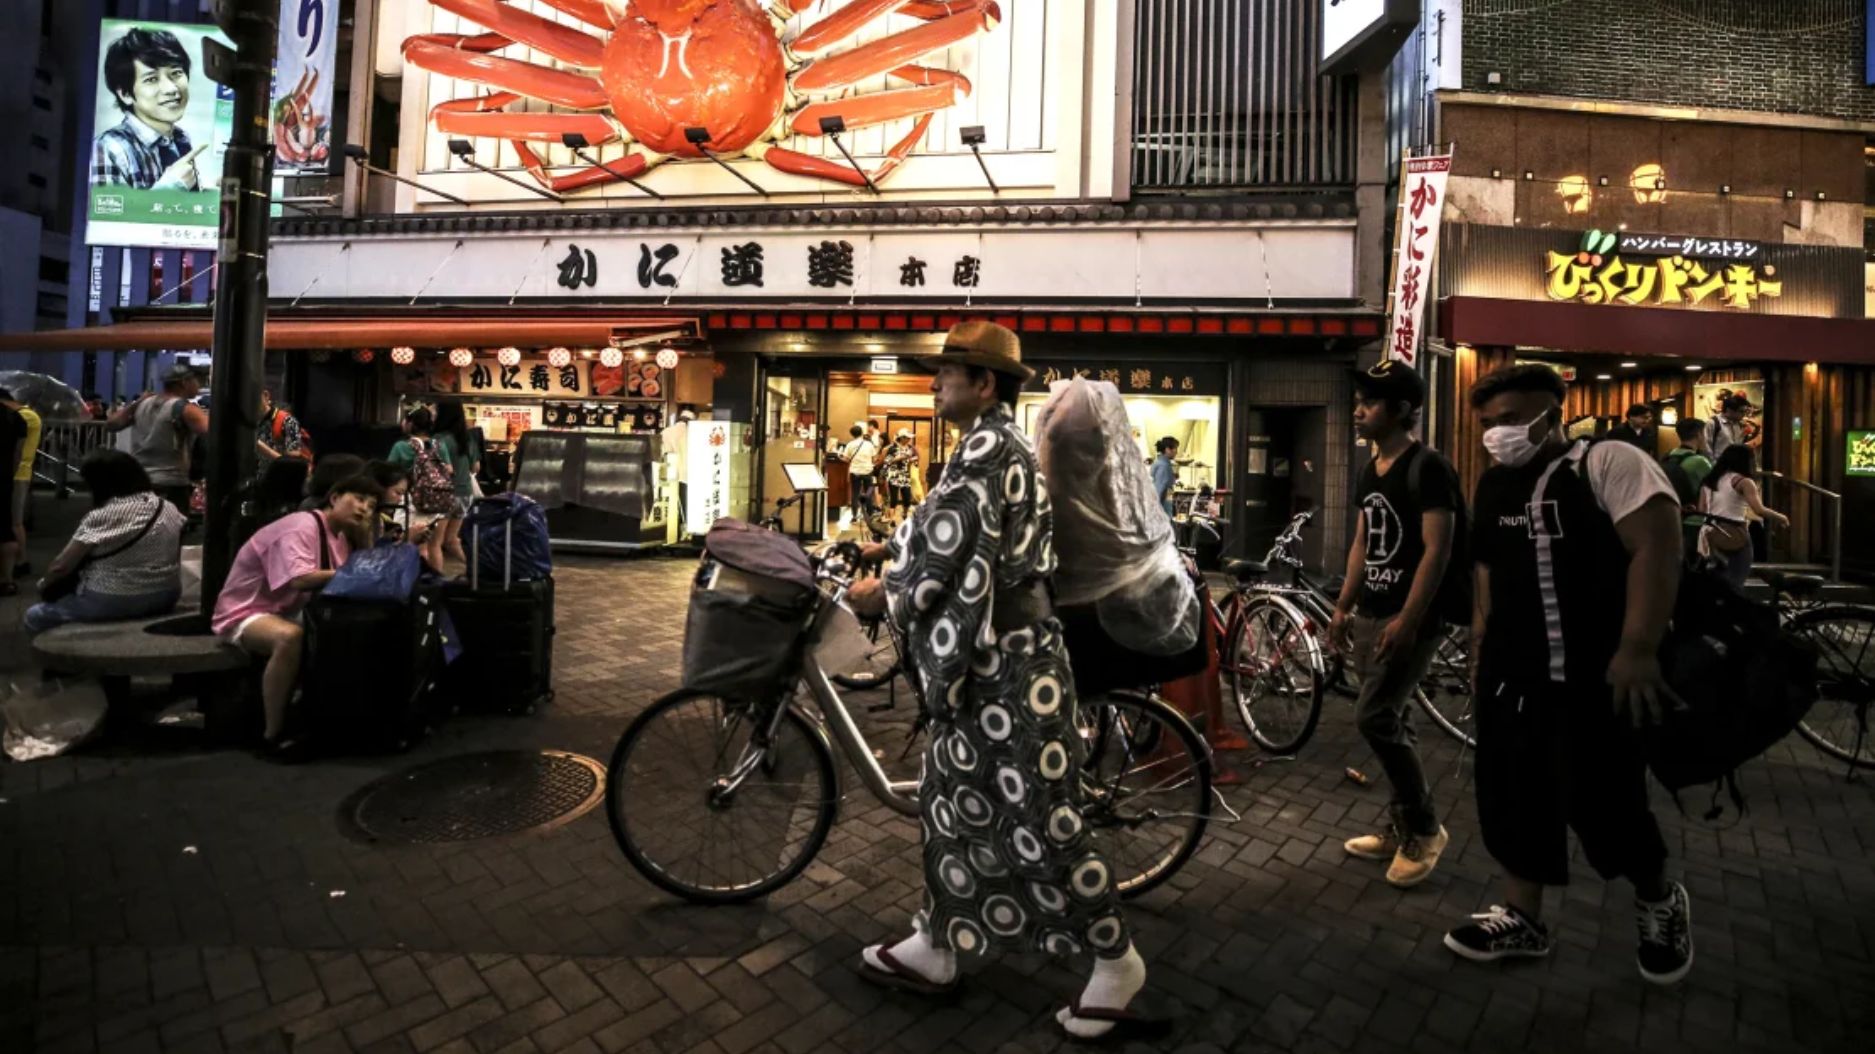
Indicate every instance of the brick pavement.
{"type": "Point", "coordinates": [156, 895]}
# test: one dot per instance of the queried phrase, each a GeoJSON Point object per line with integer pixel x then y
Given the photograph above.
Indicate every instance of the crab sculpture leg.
{"type": "Point", "coordinates": [470, 58]}
{"type": "Point", "coordinates": [947, 22]}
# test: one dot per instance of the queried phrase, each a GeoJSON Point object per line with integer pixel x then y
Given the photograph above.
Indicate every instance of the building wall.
{"type": "Point", "coordinates": [1791, 56]}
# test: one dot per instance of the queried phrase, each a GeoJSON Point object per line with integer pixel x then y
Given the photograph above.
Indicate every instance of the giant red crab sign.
{"type": "Point", "coordinates": [666, 66]}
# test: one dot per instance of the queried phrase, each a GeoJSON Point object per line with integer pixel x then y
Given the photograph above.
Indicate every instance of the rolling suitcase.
{"type": "Point", "coordinates": [371, 671]}
{"type": "Point", "coordinates": [506, 633]}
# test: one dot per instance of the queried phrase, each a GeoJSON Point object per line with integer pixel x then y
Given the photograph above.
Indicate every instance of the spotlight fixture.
{"type": "Point", "coordinates": [831, 127]}
{"type": "Point", "coordinates": [465, 151]}
{"type": "Point", "coordinates": [577, 143]}
{"type": "Point", "coordinates": [700, 138]}
{"type": "Point", "coordinates": [362, 159]}
{"type": "Point", "coordinates": [973, 137]}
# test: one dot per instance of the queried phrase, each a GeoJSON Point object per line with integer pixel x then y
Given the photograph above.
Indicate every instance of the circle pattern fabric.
{"type": "Point", "coordinates": [1010, 863]}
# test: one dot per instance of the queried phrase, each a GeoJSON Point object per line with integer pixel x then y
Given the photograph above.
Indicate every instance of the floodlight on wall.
{"type": "Point", "coordinates": [973, 137]}
{"type": "Point", "coordinates": [362, 159]}
{"type": "Point", "coordinates": [465, 152]}
{"type": "Point", "coordinates": [577, 143]}
{"type": "Point", "coordinates": [700, 138]}
{"type": "Point", "coordinates": [832, 127]}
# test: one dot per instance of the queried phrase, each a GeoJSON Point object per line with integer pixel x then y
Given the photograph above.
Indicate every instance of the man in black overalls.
{"type": "Point", "coordinates": [1578, 555]}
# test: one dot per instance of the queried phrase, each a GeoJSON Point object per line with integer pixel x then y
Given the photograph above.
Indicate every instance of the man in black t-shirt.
{"type": "Point", "coordinates": [1577, 551]}
{"type": "Point", "coordinates": [1400, 582]}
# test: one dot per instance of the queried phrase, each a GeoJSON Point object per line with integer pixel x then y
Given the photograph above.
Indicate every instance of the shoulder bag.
{"type": "Point", "coordinates": [55, 589]}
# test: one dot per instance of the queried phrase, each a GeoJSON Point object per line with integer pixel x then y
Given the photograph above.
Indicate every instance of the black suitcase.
{"type": "Point", "coordinates": [371, 669]}
{"type": "Point", "coordinates": [506, 634]}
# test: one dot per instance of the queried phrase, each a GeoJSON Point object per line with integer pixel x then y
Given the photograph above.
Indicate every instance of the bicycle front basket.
{"type": "Point", "coordinates": [743, 632]}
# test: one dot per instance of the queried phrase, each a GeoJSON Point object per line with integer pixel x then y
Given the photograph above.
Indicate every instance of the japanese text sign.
{"type": "Point", "coordinates": [1594, 275]}
{"type": "Point", "coordinates": [1861, 454]}
{"type": "Point", "coordinates": [706, 473]}
{"type": "Point", "coordinates": [1422, 202]}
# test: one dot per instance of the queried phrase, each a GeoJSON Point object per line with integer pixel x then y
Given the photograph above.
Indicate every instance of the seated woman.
{"type": "Point", "coordinates": [126, 554]}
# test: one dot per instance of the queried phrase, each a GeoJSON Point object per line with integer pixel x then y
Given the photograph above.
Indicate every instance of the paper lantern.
{"type": "Point", "coordinates": [611, 358]}
{"type": "Point", "coordinates": [509, 356]}
{"type": "Point", "coordinates": [462, 358]}
{"type": "Point", "coordinates": [559, 357]}
{"type": "Point", "coordinates": [403, 356]}
{"type": "Point", "coordinates": [364, 355]}
{"type": "Point", "coordinates": [667, 358]}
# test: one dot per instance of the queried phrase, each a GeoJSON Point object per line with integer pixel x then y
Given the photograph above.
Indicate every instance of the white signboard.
{"type": "Point", "coordinates": [706, 473]}
{"type": "Point", "coordinates": [1301, 260]}
{"type": "Point", "coordinates": [1422, 202]}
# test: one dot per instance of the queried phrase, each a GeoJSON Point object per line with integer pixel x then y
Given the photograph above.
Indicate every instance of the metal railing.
{"type": "Point", "coordinates": [63, 446]}
{"type": "Point", "coordinates": [1835, 530]}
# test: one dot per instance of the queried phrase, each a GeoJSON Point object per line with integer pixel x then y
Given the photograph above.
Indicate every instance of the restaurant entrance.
{"type": "Point", "coordinates": [810, 406]}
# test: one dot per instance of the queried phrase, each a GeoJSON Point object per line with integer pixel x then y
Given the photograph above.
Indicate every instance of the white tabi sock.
{"type": "Point", "coordinates": [1112, 987]}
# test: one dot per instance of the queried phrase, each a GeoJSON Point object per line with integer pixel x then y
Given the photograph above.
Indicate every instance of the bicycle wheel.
{"type": "Point", "coordinates": [1445, 693]}
{"type": "Point", "coordinates": [1273, 665]}
{"type": "Point", "coordinates": [877, 664]}
{"type": "Point", "coordinates": [710, 807]}
{"type": "Point", "coordinates": [1147, 778]}
{"type": "Point", "coordinates": [1839, 722]}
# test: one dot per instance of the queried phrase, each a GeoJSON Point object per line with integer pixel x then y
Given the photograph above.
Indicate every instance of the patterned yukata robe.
{"type": "Point", "coordinates": [1008, 861]}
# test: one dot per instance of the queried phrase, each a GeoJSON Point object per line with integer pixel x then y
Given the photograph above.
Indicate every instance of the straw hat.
{"type": "Point", "coordinates": [984, 344]}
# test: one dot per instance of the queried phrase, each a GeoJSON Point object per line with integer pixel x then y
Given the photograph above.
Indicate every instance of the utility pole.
{"type": "Point", "coordinates": [241, 291]}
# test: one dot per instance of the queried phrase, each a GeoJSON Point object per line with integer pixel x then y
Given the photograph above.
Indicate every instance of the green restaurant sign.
{"type": "Point", "coordinates": [1861, 460]}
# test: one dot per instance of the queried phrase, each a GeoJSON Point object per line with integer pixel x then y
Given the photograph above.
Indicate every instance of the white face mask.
{"type": "Point", "coordinates": [1511, 445]}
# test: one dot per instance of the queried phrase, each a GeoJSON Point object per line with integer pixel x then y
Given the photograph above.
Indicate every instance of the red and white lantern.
{"type": "Point", "coordinates": [403, 356]}
{"type": "Point", "coordinates": [364, 355]}
{"type": "Point", "coordinates": [559, 358]}
{"type": "Point", "coordinates": [611, 358]}
{"type": "Point", "coordinates": [509, 356]}
{"type": "Point", "coordinates": [462, 358]}
{"type": "Point", "coordinates": [667, 358]}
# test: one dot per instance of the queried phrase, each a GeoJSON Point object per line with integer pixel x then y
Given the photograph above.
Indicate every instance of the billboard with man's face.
{"type": "Point", "coordinates": [162, 128]}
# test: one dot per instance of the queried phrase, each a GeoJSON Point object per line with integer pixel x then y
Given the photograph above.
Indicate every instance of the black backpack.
{"type": "Point", "coordinates": [1453, 603]}
{"type": "Point", "coordinates": [1744, 683]}
{"type": "Point", "coordinates": [1683, 486]}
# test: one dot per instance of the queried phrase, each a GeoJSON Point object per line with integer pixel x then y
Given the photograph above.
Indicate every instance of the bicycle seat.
{"type": "Point", "coordinates": [1245, 570]}
{"type": "Point", "coordinates": [1798, 586]}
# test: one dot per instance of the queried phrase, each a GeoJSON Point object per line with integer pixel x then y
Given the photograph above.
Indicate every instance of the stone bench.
{"type": "Point", "coordinates": [215, 672]}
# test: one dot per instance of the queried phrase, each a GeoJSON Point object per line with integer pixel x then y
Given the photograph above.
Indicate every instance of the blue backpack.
{"type": "Point", "coordinates": [508, 539]}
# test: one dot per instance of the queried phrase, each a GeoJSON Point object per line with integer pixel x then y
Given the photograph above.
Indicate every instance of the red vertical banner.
{"type": "Point", "coordinates": [1416, 242]}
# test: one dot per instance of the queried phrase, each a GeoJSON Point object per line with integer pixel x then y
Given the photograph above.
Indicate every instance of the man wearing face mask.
{"type": "Point", "coordinates": [1566, 535]}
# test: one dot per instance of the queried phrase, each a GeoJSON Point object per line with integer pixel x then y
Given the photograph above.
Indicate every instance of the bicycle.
{"type": "Point", "coordinates": [1844, 637]}
{"type": "Point", "coordinates": [1276, 658]}
{"type": "Point", "coordinates": [723, 800]}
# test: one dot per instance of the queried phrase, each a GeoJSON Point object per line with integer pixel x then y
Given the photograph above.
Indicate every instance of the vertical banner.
{"type": "Point", "coordinates": [163, 127]}
{"type": "Point", "coordinates": [1422, 202]}
{"type": "Point", "coordinates": [706, 474]}
{"type": "Point", "coordinates": [301, 107]}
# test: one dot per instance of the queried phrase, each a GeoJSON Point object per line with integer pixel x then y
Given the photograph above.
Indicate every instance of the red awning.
{"type": "Point", "coordinates": [1707, 336]}
{"type": "Point", "coordinates": [417, 329]}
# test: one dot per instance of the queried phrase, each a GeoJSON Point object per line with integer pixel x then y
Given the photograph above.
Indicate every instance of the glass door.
{"type": "Point", "coordinates": [793, 429]}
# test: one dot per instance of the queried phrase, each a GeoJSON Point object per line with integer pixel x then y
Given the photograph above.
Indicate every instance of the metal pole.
{"type": "Point", "coordinates": [241, 290]}
{"type": "Point", "coordinates": [1835, 556]}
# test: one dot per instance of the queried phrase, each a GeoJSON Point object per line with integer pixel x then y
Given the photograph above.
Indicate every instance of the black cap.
{"type": "Point", "coordinates": [1392, 380]}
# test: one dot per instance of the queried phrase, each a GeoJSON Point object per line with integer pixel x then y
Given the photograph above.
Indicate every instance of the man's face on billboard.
{"type": "Point", "coordinates": [159, 96]}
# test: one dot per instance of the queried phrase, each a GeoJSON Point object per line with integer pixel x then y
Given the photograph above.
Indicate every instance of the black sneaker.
{"type": "Point", "coordinates": [1666, 928]}
{"type": "Point", "coordinates": [1499, 934]}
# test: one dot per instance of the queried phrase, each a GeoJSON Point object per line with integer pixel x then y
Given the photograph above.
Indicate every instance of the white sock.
{"type": "Point", "coordinates": [917, 954]}
{"type": "Point", "coordinates": [1112, 987]}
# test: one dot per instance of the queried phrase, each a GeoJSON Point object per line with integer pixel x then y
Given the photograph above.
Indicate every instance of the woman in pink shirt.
{"type": "Point", "coordinates": [274, 575]}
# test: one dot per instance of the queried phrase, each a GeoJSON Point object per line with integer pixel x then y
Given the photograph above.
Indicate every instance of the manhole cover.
{"type": "Point", "coordinates": [474, 796]}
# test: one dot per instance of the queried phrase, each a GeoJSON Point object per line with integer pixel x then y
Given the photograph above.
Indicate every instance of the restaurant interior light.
{"type": "Point", "coordinates": [1604, 376]}
{"type": "Point", "coordinates": [1694, 369]}
{"type": "Point", "coordinates": [1630, 365]}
